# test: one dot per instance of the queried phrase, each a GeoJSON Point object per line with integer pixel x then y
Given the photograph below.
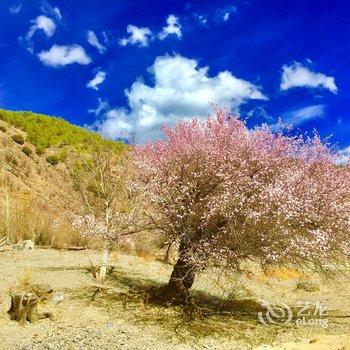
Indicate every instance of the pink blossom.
{"type": "Point", "coordinates": [229, 193]}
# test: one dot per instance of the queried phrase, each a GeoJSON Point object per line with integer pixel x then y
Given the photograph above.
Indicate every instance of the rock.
{"type": "Point", "coordinates": [57, 298]}
{"type": "Point", "coordinates": [25, 245]}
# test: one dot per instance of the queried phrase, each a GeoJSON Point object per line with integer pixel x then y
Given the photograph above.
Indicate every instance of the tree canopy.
{"type": "Point", "coordinates": [224, 193]}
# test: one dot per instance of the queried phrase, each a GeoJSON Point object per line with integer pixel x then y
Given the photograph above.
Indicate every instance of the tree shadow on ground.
{"type": "Point", "coordinates": [200, 303]}
{"type": "Point", "coordinates": [138, 300]}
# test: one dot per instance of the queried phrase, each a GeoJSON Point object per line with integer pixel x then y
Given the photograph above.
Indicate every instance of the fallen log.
{"type": "Point", "coordinates": [76, 248]}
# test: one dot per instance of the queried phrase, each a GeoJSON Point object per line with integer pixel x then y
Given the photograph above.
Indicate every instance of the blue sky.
{"type": "Point", "coordinates": [121, 66]}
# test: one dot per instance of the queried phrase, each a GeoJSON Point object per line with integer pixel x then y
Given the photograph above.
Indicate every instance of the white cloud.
{"type": "Point", "coordinates": [95, 82]}
{"type": "Point", "coordinates": [102, 106]}
{"type": "Point", "coordinates": [92, 40]}
{"type": "Point", "coordinates": [138, 36]}
{"type": "Point", "coordinates": [201, 19]}
{"type": "Point", "coordinates": [58, 12]}
{"type": "Point", "coordinates": [302, 115]}
{"type": "Point", "coordinates": [115, 124]}
{"type": "Point", "coordinates": [63, 55]}
{"type": "Point", "coordinates": [223, 14]}
{"type": "Point", "coordinates": [181, 91]}
{"type": "Point", "coordinates": [15, 9]}
{"type": "Point", "coordinates": [46, 24]}
{"type": "Point", "coordinates": [51, 11]}
{"type": "Point", "coordinates": [297, 75]}
{"type": "Point", "coordinates": [344, 156]}
{"type": "Point", "coordinates": [260, 113]}
{"type": "Point", "coordinates": [173, 28]}
{"type": "Point", "coordinates": [226, 16]}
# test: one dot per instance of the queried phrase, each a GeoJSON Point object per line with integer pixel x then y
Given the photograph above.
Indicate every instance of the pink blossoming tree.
{"type": "Point", "coordinates": [224, 194]}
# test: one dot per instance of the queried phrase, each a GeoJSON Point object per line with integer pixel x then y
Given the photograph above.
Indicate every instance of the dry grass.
{"type": "Point", "coordinates": [284, 273]}
{"type": "Point", "coordinates": [24, 217]}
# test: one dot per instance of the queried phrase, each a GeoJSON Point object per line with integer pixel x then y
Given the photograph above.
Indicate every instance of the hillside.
{"type": "Point", "coordinates": [36, 152]}
{"type": "Point", "coordinates": [45, 132]}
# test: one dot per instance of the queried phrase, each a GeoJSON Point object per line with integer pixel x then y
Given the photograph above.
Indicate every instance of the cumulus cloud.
{"type": "Point", "coordinates": [44, 23]}
{"type": "Point", "coordinates": [115, 125]}
{"type": "Point", "coordinates": [92, 40]}
{"type": "Point", "coordinates": [173, 27]}
{"type": "Point", "coordinates": [296, 75]}
{"type": "Point", "coordinates": [63, 55]}
{"type": "Point", "coordinates": [95, 82]}
{"type": "Point", "coordinates": [138, 36]}
{"type": "Point", "coordinates": [182, 90]}
{"type": "Point", "coordinates": [300, 116]}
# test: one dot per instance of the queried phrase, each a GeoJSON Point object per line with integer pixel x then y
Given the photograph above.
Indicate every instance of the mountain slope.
{"type": "Point", "coordinates": [36, 152]}
{"type": "Point", "coordinates": [46, 131]}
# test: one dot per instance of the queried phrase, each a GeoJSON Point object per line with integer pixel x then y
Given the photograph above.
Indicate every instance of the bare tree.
{"type": "Point", "coordinates": [104, 208]}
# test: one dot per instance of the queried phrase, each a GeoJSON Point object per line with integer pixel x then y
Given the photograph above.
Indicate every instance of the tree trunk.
{"type": "Point", "coordinates": [24, 307]}
{"type": "Point", "coordinates": [103, 268]}
{"type": "Point", "coordinates": [181, 279]}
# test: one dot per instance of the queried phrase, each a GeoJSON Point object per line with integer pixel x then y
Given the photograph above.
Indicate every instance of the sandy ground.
{"type": "Point", "coordinates": [120, 318]}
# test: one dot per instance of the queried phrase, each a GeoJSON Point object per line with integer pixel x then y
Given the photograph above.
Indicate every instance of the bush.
{"type": "Point", "coordinates": [27, 151]}
{"type": "Point", "coordinates": [18, 139]}
{"type": "Point", "coordinates": [2, 128]}
{"type": "Point", "coordinates": [39, 151]}
{"type": "Point", "coordinates": [53, 160]}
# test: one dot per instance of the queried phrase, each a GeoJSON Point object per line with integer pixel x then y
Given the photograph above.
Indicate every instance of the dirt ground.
{"type": "Point", "coordinates": [121, 318]}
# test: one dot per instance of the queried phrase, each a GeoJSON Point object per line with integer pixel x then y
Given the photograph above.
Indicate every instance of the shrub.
{"type": "Point", "coordinates": [2, 128]}
{"type": "Point", "coordinates": [18, 139]}
{"type": "Point", "coordinates": [53, 160]}
{"type": "Point", "coordinates": [39, 151]}
{"type": "Point", "coordinates": [26, 150]}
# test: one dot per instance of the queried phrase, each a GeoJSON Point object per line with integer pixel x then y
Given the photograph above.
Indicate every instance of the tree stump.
{"type": "Point", "coordinates": [24, 304]}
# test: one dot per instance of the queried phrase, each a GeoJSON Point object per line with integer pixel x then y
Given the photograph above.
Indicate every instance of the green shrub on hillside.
{"type": "Point", "coordinates": [2, 128]}
{"type": "Point", "coordinates": [62, 154]}
{"type": "Point", "coordinates": [44, 131]}
{"type": "Point", "coordinates": [18, 139]}
{"type": "Point", "coordinates": [26, 150]}
{"type": "Point", "coordinates": [39, 151]}
{"type": "Point", "coordinates": [53, 160]}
